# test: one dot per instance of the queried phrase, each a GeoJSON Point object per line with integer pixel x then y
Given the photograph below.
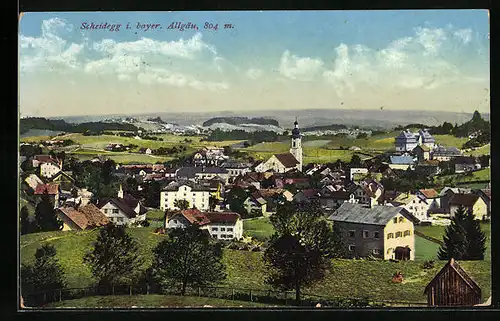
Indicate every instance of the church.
{"type": "Point", "coordinates": [281, 163]}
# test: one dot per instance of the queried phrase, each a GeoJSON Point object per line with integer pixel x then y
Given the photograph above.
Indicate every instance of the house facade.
{"type": "Point", "coordinates": [81, 218]}
{"type": "Point", "coordinates": [123, 210]}
{"type": "Point", "coordinates": [196, 195]}
{"type": "Point", "coordinates": [471, 202]}
{"type": "Point", "coordinates": [416, 204]}
{"type": "Point", "coordinates": [445, 154]}
{"type": "Point", "coordinates": [385, 232]}
{"type": "Point", "coordinates": [220, 225]}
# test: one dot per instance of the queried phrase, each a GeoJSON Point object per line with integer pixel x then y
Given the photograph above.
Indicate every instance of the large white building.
{"type": "Point", "coordinates": [220, 225]}
{"type": "Point", "coordinates": [196, 195]}
{"type": "Point", "coordinates": [281, 163]}
{"type": "Point", "coordinates": [407, 141]}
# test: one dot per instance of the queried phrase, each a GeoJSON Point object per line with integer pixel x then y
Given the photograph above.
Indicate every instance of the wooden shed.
{"type": "Point", "coordinates": [452, 287]}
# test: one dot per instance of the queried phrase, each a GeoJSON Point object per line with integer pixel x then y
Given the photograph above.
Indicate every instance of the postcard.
{"type": "Point", "coordinates": [254, 159]}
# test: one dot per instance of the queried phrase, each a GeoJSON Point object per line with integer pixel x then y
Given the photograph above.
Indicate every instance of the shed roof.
{"type": "Point", "coordinates": [85, 216]}
{"type": "Point", "coordinates": [287, 159]}
{"type": "Point", "coordinates": [452, 264]}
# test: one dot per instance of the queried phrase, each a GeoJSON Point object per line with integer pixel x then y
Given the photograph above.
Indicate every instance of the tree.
{"type": "Point", "coordinates": [189, 256]}
{"type": "Point", "coordinates": [356, 161]}
{"type": "Point", "coordinates": [235, 199]}
{"type": "Point", "coordinates": [45, 274]}
{"type": "Point", "coordinates": [212, 203]}
{"type": "Point", "coordinates": [45, 215]}
{"type": "Point", "coordinates": [301, 247]}
{"type": "Point", "coordinates": [464, 239]}
{"type": "Point", "coordinates": [181, 204]}
{"type": "Point", "coordinates": [115, 256]}
{"type": "Point", "coordinates": [152, 194]}
{"type": "Point", "coordinates": [25, 222]}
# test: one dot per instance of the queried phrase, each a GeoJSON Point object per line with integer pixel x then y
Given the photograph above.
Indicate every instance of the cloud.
{"type": "Point", "coordinates": [423, 60]}
{"type": "Point", "coordinates": [254, 73]}
{"type": "Point", "coordinates": [464, 34]}
{"type": "Point", "coordinates": [162, 76]}
{"type": "Point", "coordinates": [304, 69]}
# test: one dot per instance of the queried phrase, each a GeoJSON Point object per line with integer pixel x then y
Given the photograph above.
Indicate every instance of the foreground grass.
{"type": "Point", "coordinates": [151, 301]}
{"type": "Point", "coordinates": [246, 270]}
{"type": "Point", "coordinates": [259, 228]}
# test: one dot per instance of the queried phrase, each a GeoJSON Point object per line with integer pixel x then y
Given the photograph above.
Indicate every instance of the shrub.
{"type": "Point", "coordinates": [428, 264]}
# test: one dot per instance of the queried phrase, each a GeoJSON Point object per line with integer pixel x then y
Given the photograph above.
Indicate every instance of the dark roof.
{"type": "Point", "coordinates": [287, 159]}
{"type": "Point", "coordinates": [126, 204]}
{"type": "Point", "coordinates": [447, 151]}
{"type": "Point", "coordinates": [310, 193]}
{"type": "Point", "coordinates": [425, 148]}
{"type": "Point", "coordinates": [465, 160]}
{"type": "Point", "coordinates": [174, 186]}
{"type": "Point", "coordinates": [403, 160]}
{"type": "Point", "coordinates": [338, 195]}
{"type": "Point", "coordinates": [464, 199]}
{"type": "Point", "coordinates": [363, 214]}
{"type": "Point", "coordinates": [452, 264]}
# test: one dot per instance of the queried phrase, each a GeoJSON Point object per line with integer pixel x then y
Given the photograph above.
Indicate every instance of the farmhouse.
{"type": "Point", "coordinates": [381, 231]}
{"type": "Point", "coordinates": [423, 152]}
{"type": "Point", "coordinates": [431, 197]}
{"type": "Point", "coordinates": [64, 179]}
{"type": "Point", "coordinates": [428, 168]}
{"type": "Point", "coordinates": [485, 194]}
{"type": "Point", "coordinates": [444, 154]}
{"type": "Point", "coordinates": [452, 286]}
{"type": "Point", "coordinates": [236, 169]}
{"type": "Point", "coordinates": [33, 181]}
{"type": "Point", "coordinates": [281, 163]}
{"type": "Point", "coordinates": [466, 164]}
{"type": "Point", "coordinates": [416, 204]}
{"type": "Point", "coordinates": [81, 218]}
{"type": "Point", "coordinates": [402, 162]}
{"type": "Point", "coordinates": [331, 200]}
{"type": "Point", "coordinates": [123, 210]}
{"type": "Point", "coordinates": [196, 195]}
{"type": "Point", "coordinates": [220, 225]}
{"type": "Point", "coordinates": [52, 189]}
{"type": "Point", "coordinates": [471, 202]}
{"type": "Point", "coordinates": [255, 202]}
{"type": "Point", "coordinates": [209, 156]}
{"type": "Point", "coordinates": [447, 193]}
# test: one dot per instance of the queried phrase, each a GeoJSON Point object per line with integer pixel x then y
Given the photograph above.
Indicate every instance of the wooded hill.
{"type": "Point", "coordinates": [60, 125]}
{"type": "Point", "coordinates": [241, 120]}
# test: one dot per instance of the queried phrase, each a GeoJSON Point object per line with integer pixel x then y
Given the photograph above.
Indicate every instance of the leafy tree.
{"type": "Point", "coordinates": [301, 248]}
{"type": "Point", "coordinates": [190, 257]}
{"type": "Point", "coordinates": [45, 274]}
{"type": "Point", "coordinates": [45, 215]}
{"type": "Point", "coordinates": [212, 203]}
{"type": "Point", "coordinates": [152, 194]}
{"type": "Point", "coordinates": [115, 256]}
{"type": "Point", "coordinates": [181, 204]}
{"type": "Point", "coordinates": [356, 161]}
{"type": "Point", "coordinates": [267, 183]}
{"type": "Point", "coordinates": [26, 226]}
{"type": "Point", "coordinates": [27, 166]}
{"type": "Point", "coordinates": [464, 239]}
{"type": "Point", "coordinates": [235, 199]}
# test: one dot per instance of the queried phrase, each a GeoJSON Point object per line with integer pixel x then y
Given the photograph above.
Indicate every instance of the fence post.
{"type": "Point", "coordinates": [60, 295]}
{"type": "Point", "coordinates": [44, 297]}
{"type": "Point", "coordinates": [130, 289]}
{"type": "Point", "coordinates": [199, 291]}
{"type": "Point", "coordinates": [286, 301]}
{"type": "Point", "coordinates": [113, 289]}
{"type": "Point", "coordinates": [232, 294]}
{"type": "Point", "coordinates": [251, 295]}
{"type": "Point", "coordinates": [215, 291]}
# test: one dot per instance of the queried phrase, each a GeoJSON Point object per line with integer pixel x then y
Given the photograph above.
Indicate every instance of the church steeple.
{"type": "Point", "coordinates": [296, 149]}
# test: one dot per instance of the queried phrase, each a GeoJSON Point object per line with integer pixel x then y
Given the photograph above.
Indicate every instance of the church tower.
{"type": "Point", "coordinates": [296, 149]}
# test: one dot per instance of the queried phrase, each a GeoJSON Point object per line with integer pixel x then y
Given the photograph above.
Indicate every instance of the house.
{"type": "Point", "coordinates": [307, 195]}
{"type": "Point", "coordinates": [50, 169]}
{"type": "Point", "coordinates": [147, 151]}
{"type": "Point", "coordinates": [405, 141]}
{"type": "Point", "coordinates": [452, 286]}
{"type": "Point", "coordinates": [52, 189]}
{"type": "Point", "coordinates": [220, 225]}
{"type": "Point", "coordinates": [81, 218]}
{"type": "Point", "coordinates": [196, 173]}
{"type": "Point", "coordinates": [471, 202]}
{"type": "Point", "coordinates": [236, 169]}
{"type": "Point", "coordinates": [197, 195]}
{"type": "Point", "coordinates": [255, 202]}
{"type": "Point", "coordinates": [444, 154]}
{"type": "Point", "coordinates": [485, 194]}
{"type": "Point", "coordinates": [333, 199]}
{"type": "Point", "coordinates": [428, 168]}
{"type": "Point", "coordinates": [353, 171]}
{"type": "Point", "coordinates": [431, 197]}
{"type": "Point", "coordinates": [281, 163]}
{"type": "Point", "coordinates": [446, 194]}
{"type": "Point", "coordinates": [252, 179]}
{"type": "Point", "coordinates": [64, 179]}
{"type": "Point", "coordinates": [466, 164]}
{"type": "Point", "coordinates": [39, 159]}
{"type": "Point", "coordinates": [402, 162]}
{"type": "Point", "coordinates": [209, 156]}
{"type": "Point", "coordinates": [385, 232]}
{"type": "Point", "coordinates": [123, 210]}
{"type": "Point", "coordinates": [416, 204]}
{"type": "Point", "coordinates": [368, 192]}
{"type": "Point", "coordinates": [33, 181]}
{"type": "Point", "coordinates": [272, 196]}
{"type": "Point", "coordinates": [422, 152]}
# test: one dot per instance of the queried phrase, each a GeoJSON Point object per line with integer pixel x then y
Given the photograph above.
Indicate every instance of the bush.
{"type": "Point", "coordinates": [428, 264]}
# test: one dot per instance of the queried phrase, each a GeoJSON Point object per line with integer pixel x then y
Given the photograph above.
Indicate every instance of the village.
{"type": "Point", "coordinates": [222, 195]}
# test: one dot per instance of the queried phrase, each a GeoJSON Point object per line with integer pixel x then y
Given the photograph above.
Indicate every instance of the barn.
{"type": "Point", "coordinates": [452, 287]}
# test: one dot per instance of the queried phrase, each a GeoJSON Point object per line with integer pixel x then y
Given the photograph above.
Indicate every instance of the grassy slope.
{"type": "Point", "coordinates": [480, 175]}
{"type": "Point", "coordinates": [151, 301]}
{"type": "Point", "coordinates": [258, 227]}
{"type": "Point", "coordinates": [484, 150]}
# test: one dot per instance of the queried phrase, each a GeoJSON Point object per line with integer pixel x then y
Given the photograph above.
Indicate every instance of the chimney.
{"type": "Point", "coordinates": [120, 192]}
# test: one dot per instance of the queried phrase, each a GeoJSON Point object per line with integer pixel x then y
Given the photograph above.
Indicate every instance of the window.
{"type": "Point", "coordinates": [176, 221]}
{"type": "Point", "coordinates": [352, 247]}
{"type": "Point", "coordinates": [214, 229]}
{"type": "Point", "coordinates": [120, 219]}
{"type": "Point", "coordinates": [376, 235]}
{"type": "Point", "coordinates": [365, 234]}
{"type": "Point", "coordinates": [223, 229]}
{"type": "Point", "coordinates": [115, 211]}
{"type": "Point", "coordinates": [376, 251]}
{"type": "Point", "coordinates": [351, 233]}
{"type": "Point", "coordinates": [395, 220]}
{"type": "Point", "coordinates": [390, 236]}
{"type": "Point", "coordinates": [399, 234]}
{"type": "Point", "coordinates": [401, 219]}
{"type": "Point", "coordinates": [407, 233]}
{"type": "Point", "coordinates": [105, 211]}
{"type": "Point", "coordinates": [229, 229]}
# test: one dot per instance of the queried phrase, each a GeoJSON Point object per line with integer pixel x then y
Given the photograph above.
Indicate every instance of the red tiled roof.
{"type": "Point", "coordinates": [287, 159]}
{"type": "Point", "coordinates": [84, 217]}
{"type": "Point", "coordinates": [429, 193]}
{"type": "Point", "coordinates": [52, 189]}
{"type": "Point", "coordinates": [203, 218]}
{"type": "Point", "coordinates": [46, 159]}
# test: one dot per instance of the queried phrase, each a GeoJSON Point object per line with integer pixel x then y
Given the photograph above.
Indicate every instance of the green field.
{"type": "Point", "coordinates": [259, 228]}
{"type": "Point", "coordinates": [483, 150]}
{"type": "Point", "coordinates": [151, 301]}
{"type": "Point", "coordinates": [480, 175]}
{"type": "Point", "coordinates": [346, 278]}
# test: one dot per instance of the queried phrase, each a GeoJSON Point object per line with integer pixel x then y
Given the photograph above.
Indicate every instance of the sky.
{"type": "Point", "coordinates": [274, 60]}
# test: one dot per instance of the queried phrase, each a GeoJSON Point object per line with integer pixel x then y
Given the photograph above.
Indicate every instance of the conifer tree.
{"type": "Point", "coordinates": [45, 215]}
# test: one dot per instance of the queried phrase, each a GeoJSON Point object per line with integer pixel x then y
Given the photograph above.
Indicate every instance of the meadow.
{"type": "Point", "coordinates": [480, 175]}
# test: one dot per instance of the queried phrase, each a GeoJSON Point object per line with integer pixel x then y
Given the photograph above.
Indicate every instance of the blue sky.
{"type": "Point", "coordinates": [432, 59]}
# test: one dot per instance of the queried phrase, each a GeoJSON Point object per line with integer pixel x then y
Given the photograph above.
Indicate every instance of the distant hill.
{"type": "Point", "coordinates": [325, 127]}
{"type": "Point", "coordinates": [60, 125]}
{"type": "Point", "coordinates": [240, 120]}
